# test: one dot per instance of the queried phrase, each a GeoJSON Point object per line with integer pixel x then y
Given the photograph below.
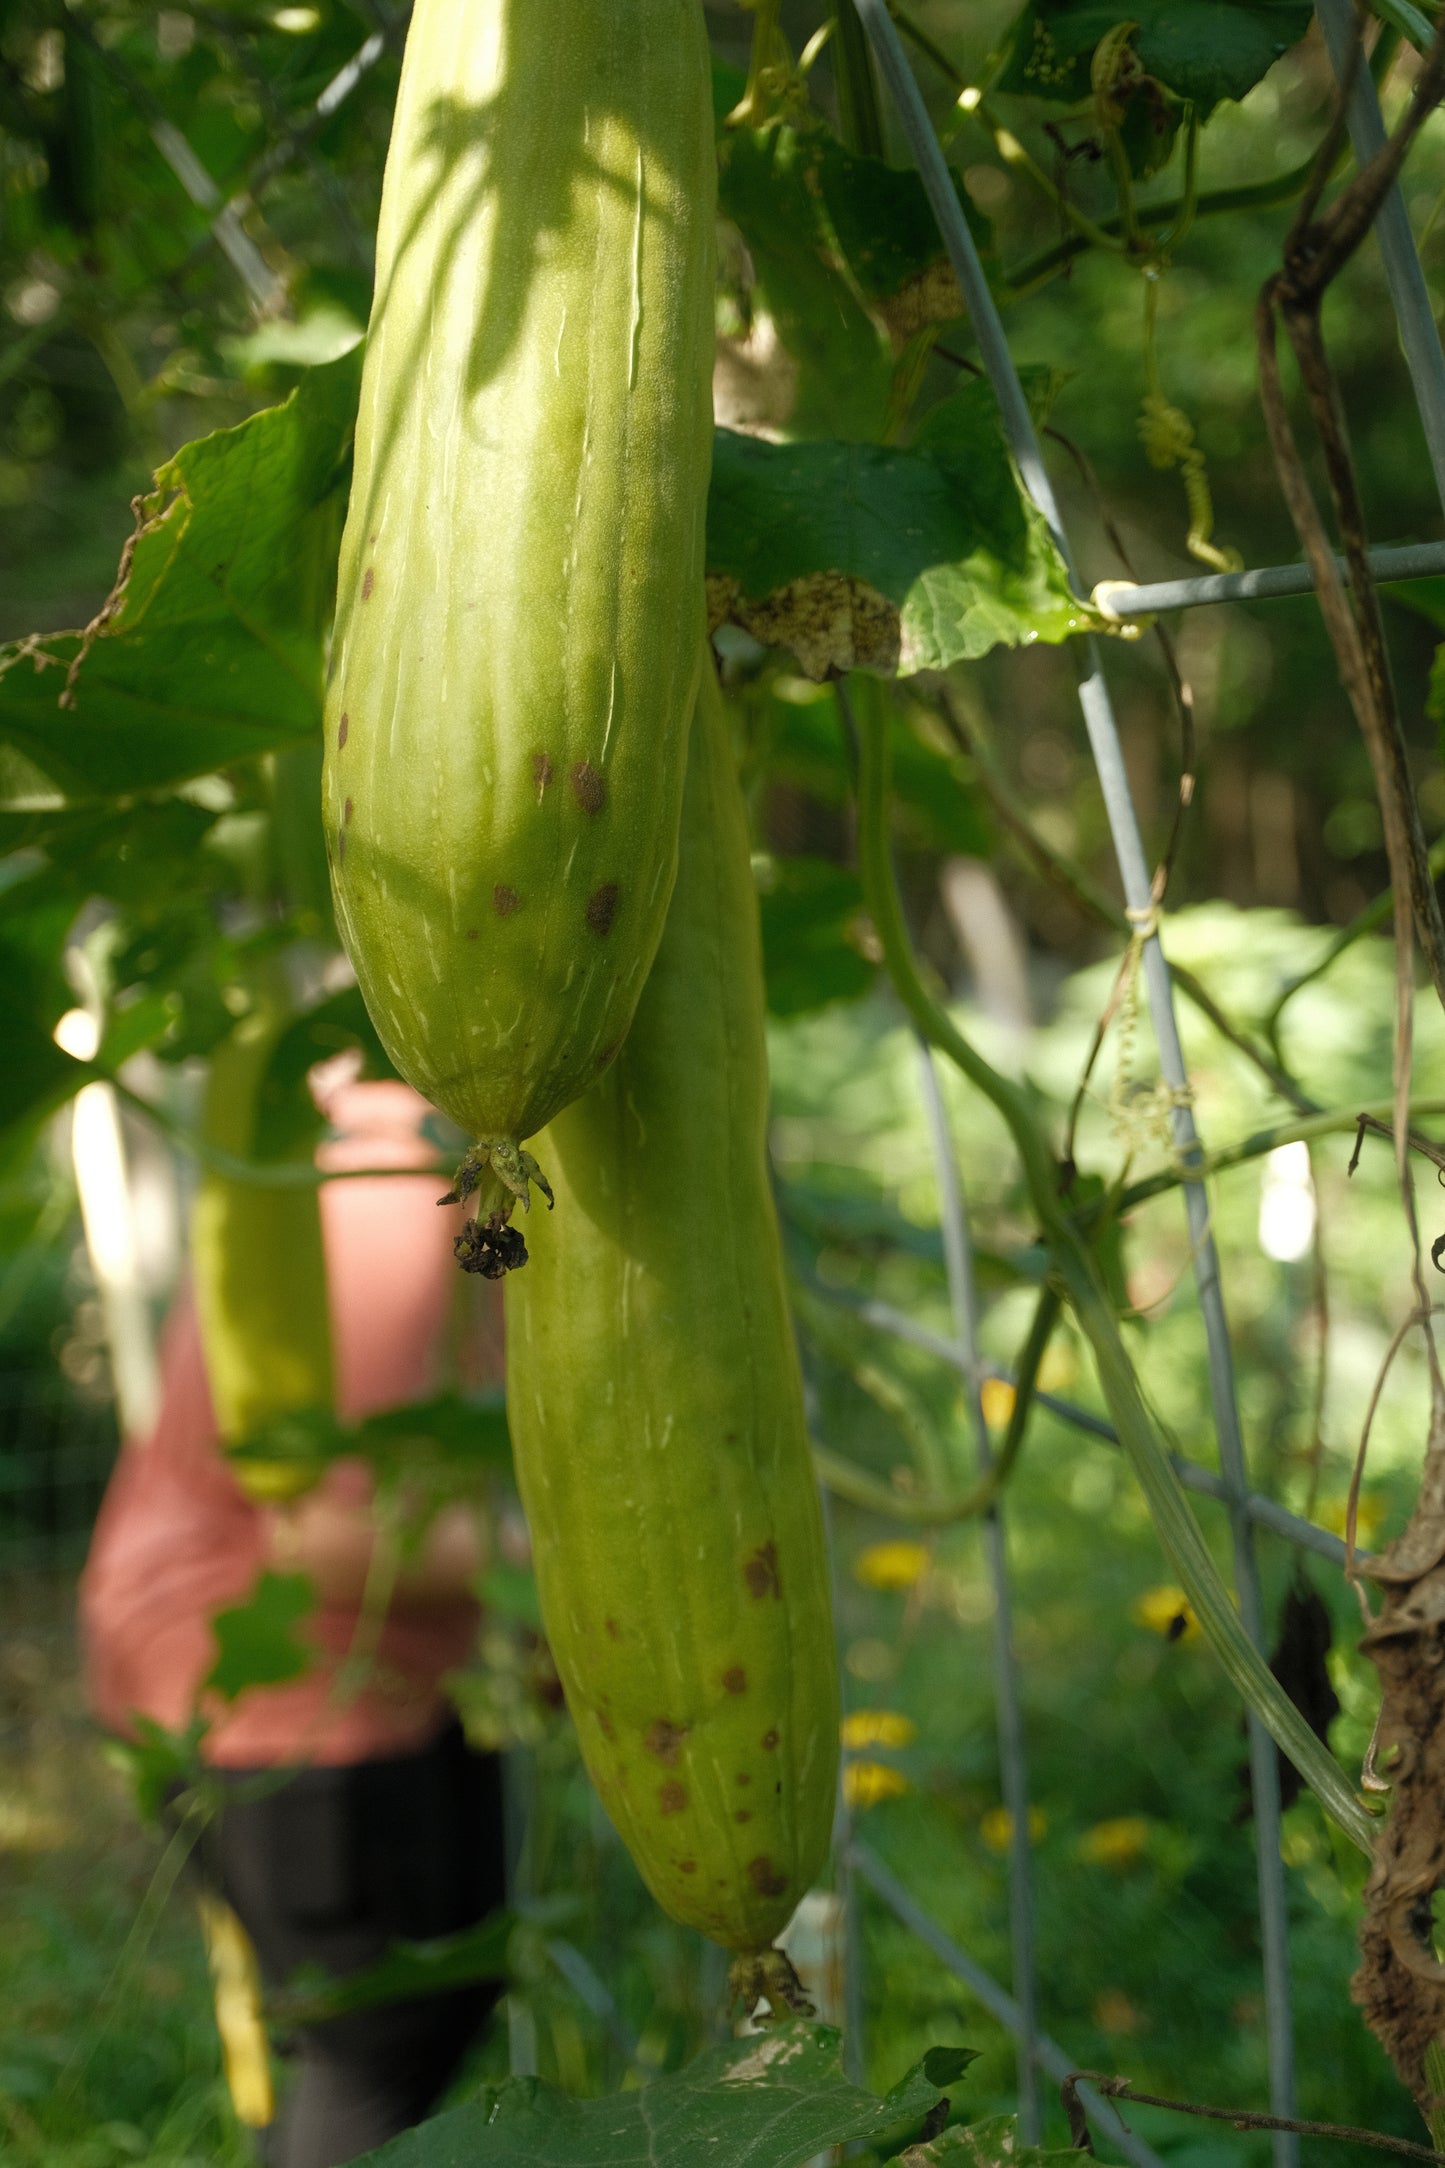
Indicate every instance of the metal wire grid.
{"type": "Point", "coordinates": [1421, 344]}
{"type": "Point", "coordinates": [56, 1454]}
{"type": "Point", "coordinates": [293, 139]}
{"type": "Point", "coordinates": [1016, 2011]}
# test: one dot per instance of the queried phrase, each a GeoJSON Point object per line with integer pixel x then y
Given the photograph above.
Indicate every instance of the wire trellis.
{"type": "Point", "coordinates": [1426, 362]}
{"type": "Point", "coordinates": [1017, 2010]}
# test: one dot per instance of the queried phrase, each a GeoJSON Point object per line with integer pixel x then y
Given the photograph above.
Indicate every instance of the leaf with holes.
{"type": "Point", "coordinates": [873, 557]}
{"type": "Point", "coordinates": [1204, 50]}
{"type": "Point", "coordinates": [211, 646]}
{"type": "Point", "coordinates": [771, 2101]}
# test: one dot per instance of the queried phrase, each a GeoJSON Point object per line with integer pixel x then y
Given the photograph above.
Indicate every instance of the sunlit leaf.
{"type": "Point", "coordinates": [874, 557]}
{"type": "Point", "coordinates": [212, 645]}
{"type": "Point", "coordinates": [1200, 49]}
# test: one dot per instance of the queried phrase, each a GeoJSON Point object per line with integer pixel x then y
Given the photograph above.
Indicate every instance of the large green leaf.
{"type": "Point", "coordinates": [868, 556]}
{"type": "Point", "coordinates": [770, 2101]}
{"type": "Point", "coordinates": [841, 366]}
{"type": "Point", "coordinates": [1200, 49]}
{"type": "Point", "coordinates": [848, 261]}
{"type": "Point", "coordinates": [211, 646]}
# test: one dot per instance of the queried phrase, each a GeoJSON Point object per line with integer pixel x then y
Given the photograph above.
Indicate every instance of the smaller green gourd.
{"type": "Point", "coordinates": [656, 1411]}
{"type": "Point", "coordinates": [259, 1272]}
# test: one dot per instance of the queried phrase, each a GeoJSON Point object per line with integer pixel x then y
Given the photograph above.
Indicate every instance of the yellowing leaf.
{"type": "Point", "coordinates": [891, 1565]}
{"type": "Point", "coordinates": [877, 1727]}
{"type": "Point", "coordinates": [866, 1782]}
{"type": "Point", "coordinates": [236, 1980]}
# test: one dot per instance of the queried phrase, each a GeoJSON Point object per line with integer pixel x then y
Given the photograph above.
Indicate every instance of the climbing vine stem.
{"type": "Point", "coordinates": [1075, 1274]}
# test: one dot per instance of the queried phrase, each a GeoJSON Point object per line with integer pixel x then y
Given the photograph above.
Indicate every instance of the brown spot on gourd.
{"type": "Point", "coordinates": [671, 1797]}
{"type": "Point", "coordinates": [346, 816]}
{"type": "Point", "coordinates": [611, 1625]}
{"type": "Point", "coordinates": [770, 1739]}
{"type": "Point", "coordinates": [343, 731]}
{"type": "Point", "coordinates": [605, 1725]}
{"type": "Point", "coordinates": [602, 907]}
{"type": "Point", "coordinates": [765, 1877]}
{"type": "Point", "coordinates": [368, 583]}
{"type": "Point", "coordinates": [341, 846]}
{"type": "Point", "coordinates": [664, 1739]}
{"type": "Point", "coordinates": [735, 1679]}
{"type": "Point", "coordinates": [505, 900]}
{"type": "Point", "coordinates": [471, 933]}
{"type": "Point", "coordinates": [588, 787]}
{"type": "Point", "coordinates": [761, 1572]}
{"type": "Point", "coordinates": [542, 772]}
{"type": "Point", "coordinates": [743, 1814]}
{"type": "Point", "coordinates": [687, 1866]}
{"type": "Point", "coordinates": [742, 1777]}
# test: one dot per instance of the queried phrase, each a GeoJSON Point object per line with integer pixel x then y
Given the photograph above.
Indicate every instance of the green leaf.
{"type": "Point", "coordinates": [510, 1592]}
{"type": "Point", "coordinates": [773, 2100]}
{"type": "Point", "coordinates": [842, 364]}
{"type": "Point", "coordinates": [287, 1118]}
{"type": "Point", "coordinates": [848, 262]}
{"type": "Point", "coordinates": [211, 646]}
{"type": "Point", "coordinates": [407, 1972]}
{"type": "Point", "coordinates": [871, 557]}
{"type": "Point", "coordinates": [1204, 50]}
{"type": "Point", "coordinates": [158, 1762]}
{"type": "Point", "coordinates": [992, 2143]}
{"type": "Point", "coordinates": [810, 910]}
{"type": "Point", "coordinates": [436, 1447]}
{"type": "Point", "coordinates": [933, 785]}
{"type": "Point", "coordinates": [256, 1641]}
{"type": "Point", "coordinates": [35, 1076]}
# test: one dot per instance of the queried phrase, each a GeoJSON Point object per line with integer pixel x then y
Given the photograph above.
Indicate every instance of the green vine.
{"type": "Point", "coordinates": [1076, 1277]}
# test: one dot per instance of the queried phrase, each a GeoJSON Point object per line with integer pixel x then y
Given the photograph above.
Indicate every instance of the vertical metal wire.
{"type": "Point", "coordinates": [1403, 270]}
{"type": "Point", "coordinates": [1013, 1763]}
{"type": "Point", "coordinates": [1134, 870]}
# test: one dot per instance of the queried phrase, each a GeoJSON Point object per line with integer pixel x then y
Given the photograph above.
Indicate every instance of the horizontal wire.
{"type": "Point", "coordinates": [1124, 599]}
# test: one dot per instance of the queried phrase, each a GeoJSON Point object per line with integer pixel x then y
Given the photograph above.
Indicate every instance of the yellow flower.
{"type": "Point", "coordinates": [998, 1398]}
{"type": "Point", "coordinates": [866, 1782]}
{"type": "Point", "coordinates": [891, 1565]}
{"type": "Point", "coordinates": [1166, 1611]}
{"type": "Point", "coordinates": [997, 1827]}
{"type": "Point", "coordinates": [1117, 1843]}
{"type": "Point", "coordinates": [1369, 1513]}
{"type": "Point", "coordinates": [877, 1727]}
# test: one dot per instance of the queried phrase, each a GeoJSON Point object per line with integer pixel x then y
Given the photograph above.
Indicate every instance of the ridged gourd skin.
{"type": "Point", "coordinates": [656, 1413]}
{"type": "Point", "coordinates": [259, 1272]}
{"type": "Point", "coordinates": [520, 594]}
